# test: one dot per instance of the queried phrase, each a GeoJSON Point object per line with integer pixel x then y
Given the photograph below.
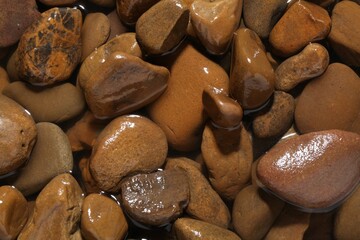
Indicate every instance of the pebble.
{"type": "Point", "coordinates": [86, 177]}
{"type": "Point", "coordinates": [15, 17]}
{"type": "Point", "coordinates": [254, 212]}
{"type": "Point", "coordinates": [129, 11]}
{"type": "Point", "coordinates": [18, 135]}
{"type": "Point", "coordinates": [162, 27]}
{"type": "Point", "coordinates": [155, 199]}
{"type": "Point", "coordinates": [124, 84]}
{"type": "Point", "coordinates": [223, 111]}
{"type": "Point", "coordinates": [50, 48]}
{"type": "Point", "coordinates": [311, 62]}
{"type": "Point", "coordinates": [178, 111]}
{"type": "Point", "coordinates": [321, 226]}
{"type": "Point", "coordinates": [50, 157]}
{"type": "Point", "coordinates": [252, 76]}
{"type": "Point", "coordinates": [57, 211]}
{"type": "Point", "coordinates": [344, 36]}
{"type": "Point", "coordinates": [140, 143]}
{"type": "Point", "coordinates": [4, 79]}
{"type": "Point", "coordinates": [58, 2]}
{"type": "Point", "coordinates": [102, 218]}
{"type": "Point", "coordinates": [334, 93]}
{"type": "Point", "coordinates": [261, 16]}
{"type": "Point", "coordinates": [278, 119]}
{"type": "Point", "coordinates": [215, 21]}
{"type": "Point", "coordinates": [55, 104]}
{"type": "Point", "coordinates": [11, 68]}
{"type": "Point", "coordinates": [310, 170]}
{"type": "Point", "coordinates": [204, 203]}
{"type": "Point", "coordinates": [94, 33]}
{"type": "Point", "coordinates": [228, 156]}
{"type": "Point", "coordinates": [13, 212]}
{"type": "Point", "coordinates": [104, 3]}
{"type": "Point", "coordinates": [191, 229]}
{"type": "Point", "coordinates": [116, 26]}
{"type": "Point", "coordinates": [302, 23]}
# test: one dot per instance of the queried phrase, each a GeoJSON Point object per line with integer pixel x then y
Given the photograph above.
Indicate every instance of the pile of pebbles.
{"type": "Point", "coordinates": [179, 119]}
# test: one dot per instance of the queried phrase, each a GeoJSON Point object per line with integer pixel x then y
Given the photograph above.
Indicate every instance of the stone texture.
{"type": "Point", "coordinates": [56, 3]}
{"type": "Point", "coordinates": [50, 48]}
{"type": "Point", "coordinates": [4, 79]}
{"type": "Point", "coordinates": [313, 171]}
{"type": "Point", "coordinates": [104, 3]}
{"type": "Point", "coordinates": [129, 11]}
{"type": "Point", "coordinates": [116, 26]}
{"type": "Point", "coordinates": [321, 226]}
{"type": "Point", "coordinates": [53, 104]}
{"type": "Point", "coordinates": [179, 109]}
{"type": "Point", "coordinates": [86, 178]}
{"type": "Point", "coordinates": [140, 143]}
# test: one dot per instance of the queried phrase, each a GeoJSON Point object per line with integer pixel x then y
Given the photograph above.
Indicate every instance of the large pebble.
{"type": "Point", "coordinates": [215, 21]}
{"type": "Point", "coordinates": [17, 135]}
{"type": "Point", "coordinates": [102, 218]}
{"type": "Point", "coordinates": [302, 23]}
{"type": "Point", "coordinates": [179, 110]}
{"type": "Point", "coordinates": [50, 157]}
{"type": "Point", "coordinates": [155, 199]}
{"type": "Point", "coordinates": [129, 11]}
{"type": "Point", "coordinates": [162, 27]}
{"type": "Point", "coordinates": [15, 17]}
{"type": "Point", "coordinates": [311, 62]}
{"type": "Point", "coordinates": [191, 229]}
{"type": "Point", "coordinates": [13, 212]}
{"type": "Point", "coordinates": [57, 211]}
{"type": "Point", "coordinates": [313, 171]}
{"type": "Point", "coordinates": [53, 104]}
{"type": "Point", "coordinates": [204, 203]}
{"type": "Point", "coordinates": [252, 76]}
{"type": "Point", "coordinates": [330, 101]}
{"type": "Point", "coordinates": [124, 83]}
{"type": "Point", "coordinates": [50, 48]}
{"type": "Point", "coordinates": [344, 36]}
{"type": "Point", "coordinates": [228, 156]}
{"type": "Point", "coordinates": [129, 144]}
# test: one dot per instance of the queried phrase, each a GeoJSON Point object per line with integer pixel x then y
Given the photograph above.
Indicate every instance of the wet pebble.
{"type": "Point", "coordinates": [58, 2]}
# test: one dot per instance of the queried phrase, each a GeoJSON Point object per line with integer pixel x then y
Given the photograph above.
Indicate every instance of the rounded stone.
{"type": "Point", "coordinates": [129, 11]}
{"type": "Point", "coordinates": [56, 3]}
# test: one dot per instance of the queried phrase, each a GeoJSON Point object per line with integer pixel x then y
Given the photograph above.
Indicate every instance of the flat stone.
{"type": "Point", "coordinates": [129, 11]}
{"type": "Point", "coordinates": [313, 171]}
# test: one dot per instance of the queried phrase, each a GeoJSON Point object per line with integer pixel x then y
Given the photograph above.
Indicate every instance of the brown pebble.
{"type": "Point", "coordinates": [157, 198]}
{"type": "Point", "coordinates": [320, 226]}
{"type": "Point", "coordinates": [50, 48]}
{"type": "Point", "coordinates": [13, 212]}
{"type": "Point", "coordinates": [104, 3]}
{"type": "Point", "coordinates": [222, 110]}
{"type": "Point", "coordinates": [116, 26]}
{"type": "Point", "coordinates": [140, 143]}
{"type": "Point", "coordinates": [252, 76]}
{"type": "Point", "coordinates": [55, 3]}
{"type": "Point", "coordinates": [11, 68]}
{"type": "Point", "coordinates": [302, 23]}
{"type": "Point", "coordinates": [102, 218]}
{"type": "Point", "coordinates": [311, 62]}
{"type": "Point", "coordinates": [18, 135]}
{"type": "Point", "coordinates": [129, 11]}
{"type": "Point", "coordinates": [162, 27]}
{"type": "Point", "coordinates": [86, 177]}
{"type": "Point", "coordinates": [4, 79]}
{"type": "Point", "coordinates": [310, 170]}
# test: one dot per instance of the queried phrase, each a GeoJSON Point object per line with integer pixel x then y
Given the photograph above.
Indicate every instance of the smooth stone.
{"type": "Point", "coordinates": [204, 203]}
{"type": "Point", "coordinates": [4, 79]}
{"type": "Point", "coordinates": [222, 110]}
{"type": "Point", "coordinates": [18, 135]}
{"type": "Point", "coordinates": [302, 23]}
{"type": "Point", "coordinates": [346, 224]}
{"type": "Point", "coordinates": [94, 32]}
{"type": "Point", "coordinates": [155, 199]}
{"type": "Point", "coordinates": [15, 17]}
{"type": "Point", "coordinates": [313, 171]}
{"type": "Point", "coordinates": [252, 76]}
{"type": "Point", "coordinates": [140, 143]}
{"type": "Point", "coordinates": [179, 109]}
{"type": "Point", "coordinates": [254, 212]}
{"type": "Point", "coordinates": [102, 218]}
{"type": "Point", "coordinates": [86, 178]}
{"type": "Point", "coordinates": [311, 62]}
{"type": "Point", "coordinates": [330, 101]}
{"type": "Point", "coordinates": [53, 104]}
{"type": "Point", "coordinates": [162, 27]}
{"type": "Point", "coordinates": [50, 48]}
{"type": "Point", "coordinates": [57, 211]}
{"type": "Point", "coordinates": [104, 3]}
{"type": "Point", "coordinates": [56, 3]}
{"type": "Point", "coordinates": [228, 156]}
{"type": "Point", "coordinates": [192, 229]}
{"type": "Point", "coordinates": [13, 212]}
{"type": "Point", "coordinates": [344, 37]}
{"type": "Point", "coordinates": [261, 16]}
{"type": "Point", "coordinates": [278, 119]}
{"type": "Point", "coordinates": [11, 68]}
{"type": "Point", "coordinates": [116, 26]}
{"type": "Point", "coordinates": [215, 21]}
{"type": "Point", "coordinates": [291, 224]}
{"type": "Point", "coordinates": [50, 157]}
{"type": "Point", "coordinates": [129, 11]}
{"type": "Point", "coordinates": [321, 226]}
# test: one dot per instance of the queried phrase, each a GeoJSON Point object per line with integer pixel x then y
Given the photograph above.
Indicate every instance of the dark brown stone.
{"type": "Point", "coordinates": [129, 11]}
